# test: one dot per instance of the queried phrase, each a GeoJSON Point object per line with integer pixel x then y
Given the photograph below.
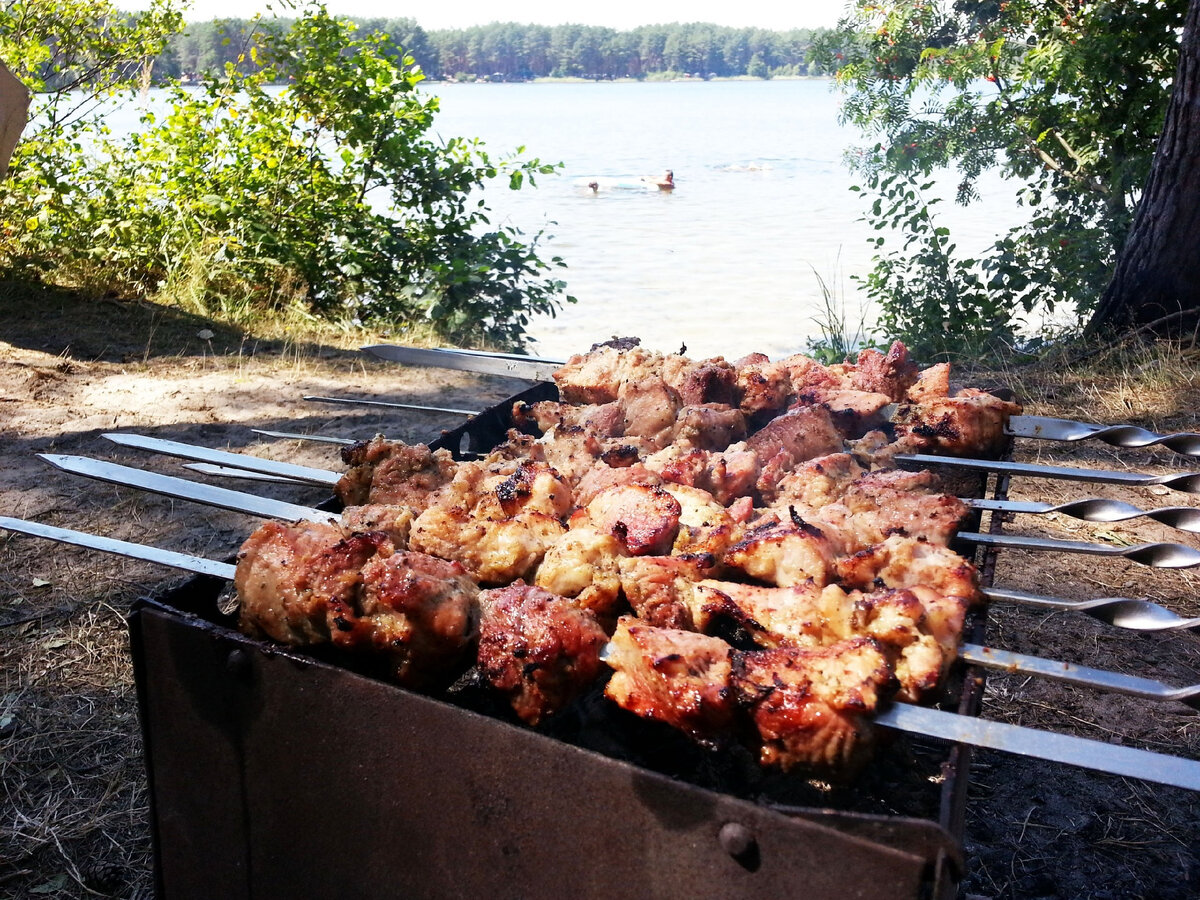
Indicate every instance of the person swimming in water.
{"type": "Point", "coordinates": [666, 181]}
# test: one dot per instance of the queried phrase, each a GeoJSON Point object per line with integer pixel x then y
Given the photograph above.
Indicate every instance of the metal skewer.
{"type": "Point", "coordinates": [225, 458]}
{"type": "Point", "coordinates": [1104, 757]}
{"type": "Point", "coordinates": [1128, 436]}
{"type": "Point", "coordinates": [1097, 509]}
{"type": "Point", "coordinates": [293, 436]}
{"type": "Point", "coordinates": [364, 401]}
{"type": "Point", "coordinates": [1160, 556]}
{"type": "Point", "coordinates": [244, 474]}
{"type": "Point", "coordinates": [1189, 482]}
{"type": "Point", "coordinates": [1121, 612]}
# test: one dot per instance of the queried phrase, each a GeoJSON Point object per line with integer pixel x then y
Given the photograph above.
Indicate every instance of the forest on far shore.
{"type": "Point", "coordinates": [507, 51]}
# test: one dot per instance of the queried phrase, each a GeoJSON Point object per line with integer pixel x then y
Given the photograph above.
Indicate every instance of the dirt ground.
{"type": "Point", "coordinates": [75, 809]}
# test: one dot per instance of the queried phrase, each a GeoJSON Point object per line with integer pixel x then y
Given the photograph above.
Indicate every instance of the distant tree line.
{"type": "Point", "coordinates": [507, 51]}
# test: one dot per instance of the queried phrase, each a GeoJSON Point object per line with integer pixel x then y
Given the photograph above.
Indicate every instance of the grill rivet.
{"type": "Point", "coordinates": [735, 839]}
{"type": "Point", "coordinates": [238, 663]}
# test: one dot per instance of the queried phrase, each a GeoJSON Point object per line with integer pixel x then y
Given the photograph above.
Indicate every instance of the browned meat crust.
{"type": "Point", "coordinates": [812, 707]}
{"type": "Point", "coordinates": [677, 677]}
{"type": "Point", "coordinates": [383, 471]}
{"type": "Point", "coordinates": [538, 649]}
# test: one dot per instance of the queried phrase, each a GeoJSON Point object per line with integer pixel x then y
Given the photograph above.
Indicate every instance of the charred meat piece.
{"type": "Point", "coordinates": [710, 426]}
{"type": "Point", "coordinates": [818, 482]}
{"type": "Point", "coordinates": [597, 376]}
{"type": "Point", "coordinates": [602, 476]}
{"type": "Point", "coordinates": [534, 487]}
{"type": "Point", "coordinates": [419, 612]}
{"type": "Point", "coordinates": [644, 519]}
{"type": "Point", "coordinates": [649, 407]}
{"type": "Point", "coordinates": [298, 584]}
{"type": "Point", "coordinates": [309, 584]}
{"type": "Point", "coordinates": [764, 387]}
{"type": "Point", "coordinates": [904, 503]}
{"type": "Point", "coordinates": [863, 508]}
{"type": "Point", "coordinates": [391, 472]}
{"type": "Point", "coordinates": [919, 648]}
{"type": "Point", "coordinates": [705, 526]}
{"type": "Point", "coordinates": [799, 434]}
{"type": "Point", "coordinates": [470, 524]}
{"type": "Point", "coordinates": [728, 475]}
{"type": "Point", "coordinates": [905, 562]}
{"type": "Point", "coordinates": [853, 412]}
{"type": "Point", "coordinates": [539, 649]}
{"type": "Point", "coordinates": [677, 677]}
{"type": "Point", "coordinates": [812, 706]}
{"type": "Point", "coordinates": [604, 419]}
{"type": "Point", "coordinates": [394, 521]}
{"type": "Point", "coordinates": [785, 554]}
{"type": "Point", "coordinates": [584, 564]}
{"type": "Point", "coordinates": [569, 450]}
{"type": "Point", "coordinates": [659, 588]}
{"type": "Point", "coordinates": [964, 422]}
{"type": "Point", "coordinates": [698, 383]}
{"type": "Point", "coordinates": [891, 374]}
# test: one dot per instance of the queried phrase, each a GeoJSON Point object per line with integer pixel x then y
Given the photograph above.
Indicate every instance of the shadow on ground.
{"type": "Point", "coordinates": [75, 326]}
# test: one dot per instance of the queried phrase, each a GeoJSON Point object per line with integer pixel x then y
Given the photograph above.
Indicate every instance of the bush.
{"type": "Point", "coordinates": [312, 169]}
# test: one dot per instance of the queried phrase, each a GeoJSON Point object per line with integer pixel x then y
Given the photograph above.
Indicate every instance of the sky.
{"type": "Point", "coordinates": [776, 15]}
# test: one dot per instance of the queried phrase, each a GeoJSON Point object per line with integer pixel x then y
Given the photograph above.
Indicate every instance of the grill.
{"type": "Point", "coordinates": [444, 798]}
{"type": "Point", "coordinates": [280, 774]}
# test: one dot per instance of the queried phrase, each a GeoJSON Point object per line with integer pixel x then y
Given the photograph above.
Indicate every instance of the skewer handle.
{"type": "Point", "coordinates": [1127, 436]}
{"type": "Point", "coordinates": [1121, 612]}
{"type": "Point", "coordinates": [1160, 556]}
{"type": "Point", "coordinates": [1097, 509]}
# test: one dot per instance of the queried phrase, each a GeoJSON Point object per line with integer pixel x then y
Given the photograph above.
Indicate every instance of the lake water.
{"type": "Point", "coordinates": [729, 262]}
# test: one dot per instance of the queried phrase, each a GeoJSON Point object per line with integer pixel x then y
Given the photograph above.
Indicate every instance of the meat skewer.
{"type": "Point", "coordinates": [1104, 757]}
{"type": "Point", "coordinates": [1038, 427]}
{"type": "Point", "coordinates": [1122, 612]}
{"type": "Point", "coordinates": [1161, 555]}
{"type": "Point", "coordinates": [234, 500]}
{"type": "Point", "coordinates": [290, 471]}
{"type": "Point", "coordinates": [1089, 509]}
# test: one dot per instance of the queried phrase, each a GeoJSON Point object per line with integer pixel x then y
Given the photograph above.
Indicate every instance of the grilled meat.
{"type": "Point", "coordinates": [785, 554]}
{"type": "Point", "coordinates": [418, 611]}
{"type": "Point", "coordinates": [498, 527]}
{"type": "Point", "coordinates": [920, 647]}
{"type": "Point", "coordinates": [696, 495]}
{"type": "Point", "coordinates": [313, 583]}
{"type": "Point", "coordinates": [584, 564]}
{"type": "Point", "coordinates": [394, 521]}
{"type": "Point", "coordinates": [383, 471]}
{"type": "Point", "coordinates": [812, 707]}
{"type": "Point", "coordinates": [963, 422]}
{"type": "Point", "coordinates": [677, 677]}
{"type": "Point", "coordinates": [539, 649]}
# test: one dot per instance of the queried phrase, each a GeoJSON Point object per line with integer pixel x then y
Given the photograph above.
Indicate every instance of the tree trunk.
{"type": "Point", "coordinates": [1156, 282]}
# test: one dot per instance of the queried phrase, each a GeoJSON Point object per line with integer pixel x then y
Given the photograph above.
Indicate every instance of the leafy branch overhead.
{"type": "Point", "coordinates": [310, 176]}
{"type": "Point", "coordinates": [1065, 99]}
